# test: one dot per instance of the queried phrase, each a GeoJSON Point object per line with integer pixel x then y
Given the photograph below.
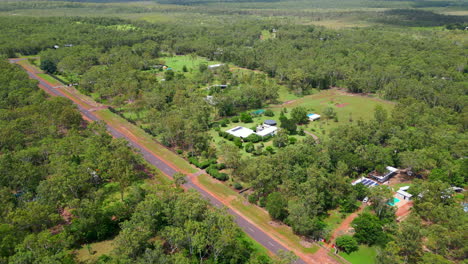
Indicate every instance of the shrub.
{"type": "Point", "coordinates": [253, 199]}
{"type": "Point", "coordinates": [246, 118]}
{"type": "Point", "coordinates": [221, 166]}
{"type": "Point", "coordinates": [270, 149]}
{"type": "Point", "coordinates": [262, 201]}
{"type": "Point", "coordinates": [292, 140]}
{"type": "Point", "coordinates": [254, 138]}
{"type": "Point", "coordinates": [268, 112]}
{"type": "Point", "coordinates": [249, 147]}
{"type": "Point", "coordinates": [179, 151]}
{"type": "Point", "coordinates": [267, 138]}
{"type": "Point", "coordinates": [222, 176]}
{"type": "Point", "coordinates": [238, 142]}
{"type": "Point", "coordinates": [347, 243]}
{"type": "Point", "coordinates": [235, 119]}
{"type": "Point", "coordinates": [237, 186]}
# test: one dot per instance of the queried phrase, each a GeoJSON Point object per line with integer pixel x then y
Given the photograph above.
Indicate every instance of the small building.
{"type": "Point", "coordinates": [222, 86]}
{"type": "Point", "coordinates": [258, 112]}
{"type": "Point", "coordinates": [241, 132]}
{"type": "Point", "coordinates": [391, 171]}
{"type": "Point", "coordinates": [404, 195]}
{"type": "Point", "coordinates": [269, 122]}
{"type": "Point", "coordinates": [56, 46]}
{"type": "Point", "coordinates": [313, 117]}
{"type": "Point", "coordinates": [209, 99]}
{"type": "Point", "coordinates": [214, 66]}
{"type": "Point", "coordinates": [68, 45]}
{"type": "Point", "coordinates": [266, 130]}
{"type": "Point", "coordinates": [365, 181]}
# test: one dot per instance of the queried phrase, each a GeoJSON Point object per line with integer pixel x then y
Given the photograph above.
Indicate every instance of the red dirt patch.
{"type": "Point", "coordinates": [342, 105]}
{"type": "Point", "coordinates": [404, 210]}
{"type": "Point", "coordinates": [345, 225]}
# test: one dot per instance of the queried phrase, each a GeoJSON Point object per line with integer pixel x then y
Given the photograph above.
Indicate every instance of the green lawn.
{"type": "Point", "coordinates": [91, 252]}
{"type": "Point", "coordinates": [192, 63]}
{"type": "Point", "coordinates": [365, 255]}
{"type": "Point", "coordinates": [334, 219]}
{"type": "Point", "coordinates": [347, 107]}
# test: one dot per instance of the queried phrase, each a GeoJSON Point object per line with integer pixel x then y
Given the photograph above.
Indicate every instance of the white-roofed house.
{"type": "Point", "coordinates": [240, 131]}
{"type": "Point", "coordinates": [266, 130]}
{"type": "Point", "coordinates": [313, 117]}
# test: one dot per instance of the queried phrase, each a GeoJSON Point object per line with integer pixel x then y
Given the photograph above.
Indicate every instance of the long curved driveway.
{"type": "Point", "coordinates": [253, 231]}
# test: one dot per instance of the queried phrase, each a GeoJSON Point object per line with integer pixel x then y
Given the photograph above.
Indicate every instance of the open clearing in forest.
{"type": "Point", "coordinates": [91, 252]}
{"type": "Point", "coordinates": [364, 255]}
{"type": "Point", "coordinates": [348, 107]}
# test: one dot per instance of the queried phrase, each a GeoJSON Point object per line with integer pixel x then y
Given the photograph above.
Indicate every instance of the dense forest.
{"type": "Point", "coordinates": [65, 192]}
{"type": "Point", "coordinates": [64, 183]}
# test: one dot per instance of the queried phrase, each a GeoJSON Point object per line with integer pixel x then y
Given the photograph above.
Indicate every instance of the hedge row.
{"type": "Point", "coordinates": [214, 172]}
{"type": "Point", "coordinates": [203, 164]}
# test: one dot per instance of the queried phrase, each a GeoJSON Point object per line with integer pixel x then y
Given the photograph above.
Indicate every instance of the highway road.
{"type": "Point", "coordinates": [254, 232]}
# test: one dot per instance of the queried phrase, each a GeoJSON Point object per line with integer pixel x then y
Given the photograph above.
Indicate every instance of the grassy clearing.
{"type": "Point", "coordinates": [191, 62]}
{"type": "Point", "coordinates": [91, 252]}
{"type": "Point", "coordinates": [365, 255]}
{"type": "Point", "coordinates": [255, 214]}
{"type": "Point", "coordinates": [49, 79]}
{"type": "Point", "coordinates": [347, 106]}
{"type": "Point", "coordinates": [145, 139]}
{"type": "Point", "coordinates": [334, 219]}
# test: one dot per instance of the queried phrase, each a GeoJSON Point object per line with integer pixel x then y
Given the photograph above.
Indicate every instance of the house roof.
{"type": "Point", "coordinates": [267, 131]}
{"type": "Point", "coordinates": [406, 194]}
{"type": "Point", "coordinates": [239, 131]}
{"type": "Point", "coordinates": [313, 116]}
{"type": "Point", "coordinates": [270, 122]}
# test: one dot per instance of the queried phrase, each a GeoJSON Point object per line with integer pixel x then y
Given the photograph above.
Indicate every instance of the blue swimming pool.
{"type": "Point", "coordinates": [393, 202]}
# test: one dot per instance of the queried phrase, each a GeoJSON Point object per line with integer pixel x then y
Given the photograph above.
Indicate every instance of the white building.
{"type": "Point", "coordinates": [391, 171]}
{"type": "Point", "coordinates": [404, 195]}
{"type": "Point", "coordinates": [214, 66]}
{"type": "Point", "coordinates": [241, 132]}
{"type": "Point", "coordinates": [313, 117]}
{"type": "Point", "coordinates": [266, 130]}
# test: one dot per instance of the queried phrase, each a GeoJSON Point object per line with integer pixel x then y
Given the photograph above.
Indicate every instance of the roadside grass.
{"type": "Point", "coordinates": [255, 214]}
{"type": "Point", "coordinates": [49, 79]}
{"type": "Point", "coordinates": [364, 255]}
{"type": "Point", "coordinates": [92, 252]}
{"type": "Point", "coordinates": [144, 139]}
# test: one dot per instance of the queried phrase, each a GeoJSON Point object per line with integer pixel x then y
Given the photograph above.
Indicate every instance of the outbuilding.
{"type": "Point", "coordinates": [214, 66]}
{"type": "Point", "coordinates": [404, 195]}
{"type": "Point", "coordinates": [269, 122]}
{"type": "Point", "coordinates": [313, 117]}
{"type": "Point", "coordinates": [240, 131]}
{"type": "Point", "coordinates": [267, 131]}
{"type": "Point", "coordinates": [391, 171]}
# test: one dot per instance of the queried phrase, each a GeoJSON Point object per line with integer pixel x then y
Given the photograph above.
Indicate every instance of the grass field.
{"type": "Point", "coordinates": [255, 214]}
{"type": "Point", "coordinates": [91, 252]}
{"type": "Point", "coordinates": [365, 255]}
{"type": "Point", "coordinates": [347, 106]}
{"type": "Point", "coordinates": [191, 62]}
{"type": "Point", "coordinates": [145, 139]}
